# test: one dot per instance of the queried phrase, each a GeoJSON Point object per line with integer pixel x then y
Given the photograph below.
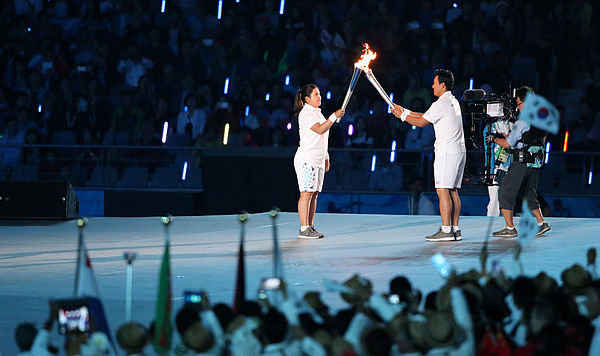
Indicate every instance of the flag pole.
{"type": "Point", "coordinates": [129, 258]}
{"type": "Point", "coordinates": [163, 328]}
{"type": "Point", "coordinates": [277, 268]}
{"type": "Point", "coordinates": [240, 282]}
{"type": "Point", "coordinates": [81, 223]}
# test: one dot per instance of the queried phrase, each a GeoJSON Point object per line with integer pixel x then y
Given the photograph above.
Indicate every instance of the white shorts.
{"type": "Point", "coordinates": [310, 178]}
{"type": "Point", "coordinates": [448, 170]}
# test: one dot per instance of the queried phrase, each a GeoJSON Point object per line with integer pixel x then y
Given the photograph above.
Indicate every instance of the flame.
{"type": "Point", "coordinates": [365, 58]}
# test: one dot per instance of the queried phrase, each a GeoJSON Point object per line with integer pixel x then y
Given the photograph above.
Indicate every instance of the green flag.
{"type": "Point", "coordinates": [163, 329]}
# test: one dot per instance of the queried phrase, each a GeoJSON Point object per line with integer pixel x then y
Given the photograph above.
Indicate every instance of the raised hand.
{"type": "Point", "coordinates": [397, 110]}
{"type": "Point", "coordinates": [340, 113]}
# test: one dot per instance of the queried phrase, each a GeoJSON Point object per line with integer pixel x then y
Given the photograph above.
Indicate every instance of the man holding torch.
{"type": "Point", "coordinates": [449, 148]}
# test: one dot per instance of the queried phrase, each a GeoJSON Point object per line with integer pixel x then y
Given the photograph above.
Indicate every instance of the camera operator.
{"type": "Point", "coordinates": [527, 144]}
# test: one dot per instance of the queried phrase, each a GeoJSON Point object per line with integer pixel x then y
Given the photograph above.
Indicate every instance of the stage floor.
{"type": "Point", "coordinates": [37, 258]}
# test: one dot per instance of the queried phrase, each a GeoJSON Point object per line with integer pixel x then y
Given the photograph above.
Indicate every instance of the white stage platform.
{"type": "Point", "coordinates": [37, 258]}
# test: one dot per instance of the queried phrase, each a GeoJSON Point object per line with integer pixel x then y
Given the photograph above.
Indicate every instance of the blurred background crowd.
{"type": "Point", "coordinates": [476, 312]}
{"type": "Point", "coordinates": [113, 72]}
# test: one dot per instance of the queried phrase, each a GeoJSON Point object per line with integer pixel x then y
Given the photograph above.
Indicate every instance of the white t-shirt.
{"type": "Point", "coordinates": [446, 117]}
{"type": "Point", "coordinates": [313, 146]}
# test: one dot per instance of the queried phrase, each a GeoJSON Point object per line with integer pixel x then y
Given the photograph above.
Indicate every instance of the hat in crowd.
{"type": "Point", "coordinates": [545, 284]}
{"type": "Point", "coordinates": [132, 337]}
{"type": "Point", "coordinates": [197, 338]}
{"type": "Point", "coordinates": [472, 292]}
{"type": "Point", "coordinates": [313, 299]}
{"type": "Point", "coordinates": [494, 305]}
{"type": "Point", "coordinates": [575, 279]}
{"type": "Point", "coordinates": [361, 288]}
{"type": "Point", "coordinates": [341, 346]}
{"type": "Point", "coordinates": [97, 344]}
{"type": "Point", "coordinates": [471, 275]}
{"type": "Point", "coordinates": [501, 3]}
{"type": "Point", "coordinates": [439, 330]}
{"type": "Point", "coordinates": [416, 332]}
{"type": "Point", "coordinates": [399, 323]}
{"type": "Point", "coordinates": [235, 324]}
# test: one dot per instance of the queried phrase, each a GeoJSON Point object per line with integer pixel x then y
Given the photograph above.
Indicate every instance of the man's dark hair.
{"type": "Point", "coordinates": [24, 335]}
{"type": "Point", "coordinates": [274, 327]}
{"type": "Point", "coordinates": [378, 341]}
{"type": "Point", "coordinates": [524, 292]}
{"type": "Point", "coordinates": [186, 316]}
{"type": "Point", "coordinates": [445, 76]}
{"type": "Point", "coordinates": [401, 286]}
{"type": "Point", "coordinates": [522, 92]}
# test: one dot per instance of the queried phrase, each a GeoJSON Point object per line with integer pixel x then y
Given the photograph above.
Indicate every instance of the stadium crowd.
{"type": "Point", "coordinates": [114, 71]}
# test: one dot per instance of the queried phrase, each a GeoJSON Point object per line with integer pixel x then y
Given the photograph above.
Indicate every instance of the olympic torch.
{"type": "Point", "coordinates": [375, 83]}
{"type": "Point", "coordinates": [363, 64]}
{"type": "Point", "coordinates": [355, 76]}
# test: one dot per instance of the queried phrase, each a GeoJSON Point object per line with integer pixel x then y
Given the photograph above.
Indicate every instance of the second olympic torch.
{"type": "Point", "coordinates": [355, 76]}
{"type": "Point", "coordinates": [375, 83]}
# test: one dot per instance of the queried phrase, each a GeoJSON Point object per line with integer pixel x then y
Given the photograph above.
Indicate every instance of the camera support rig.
{"type": "Point", "coordinates": [484, 109]}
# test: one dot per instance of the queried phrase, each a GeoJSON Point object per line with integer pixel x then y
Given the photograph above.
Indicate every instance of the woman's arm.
{"type": "Point", "coordinates": [322, 128]}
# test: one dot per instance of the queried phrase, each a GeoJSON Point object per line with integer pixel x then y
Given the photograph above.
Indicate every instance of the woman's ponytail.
{"type": "Point", "coordinates": [305, 91]}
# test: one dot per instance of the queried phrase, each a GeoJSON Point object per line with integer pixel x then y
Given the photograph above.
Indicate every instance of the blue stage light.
{"type": "Point", "coordinates": [184, 170]}
{"type": "Point", "coordinates": [165, 130]}
{"type": "Point", "coordinates": [226, 87]}
{"type": "Point", "coordinates": [281, 7]}
{"type": "Point", "coordinates": [373, 162]}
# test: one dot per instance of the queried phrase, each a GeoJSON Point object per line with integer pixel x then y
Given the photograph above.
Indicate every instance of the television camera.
{"type": "Point", "coordinates": [483, 110]}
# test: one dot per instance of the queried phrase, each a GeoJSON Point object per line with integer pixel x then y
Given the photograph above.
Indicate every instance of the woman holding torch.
{"type": "Point", "coordinates": [312, 159]}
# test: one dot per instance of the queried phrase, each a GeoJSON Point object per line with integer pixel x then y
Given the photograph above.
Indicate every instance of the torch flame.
{"type": "Point", "coordinates": [365, 58]}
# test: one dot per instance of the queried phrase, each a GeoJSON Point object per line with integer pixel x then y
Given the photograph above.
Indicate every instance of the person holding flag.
{"type": "Point", "coordinates": [527, 144]}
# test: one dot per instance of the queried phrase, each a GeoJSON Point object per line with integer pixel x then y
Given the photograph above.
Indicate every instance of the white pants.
{"type": "Point", "coordinates": [493, 207]}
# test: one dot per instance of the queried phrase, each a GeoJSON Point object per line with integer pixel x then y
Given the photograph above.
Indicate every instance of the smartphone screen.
{"type": "Point", "coordinates": [192, 296]}
{"type": "Point", "coordinates": [73, 319]}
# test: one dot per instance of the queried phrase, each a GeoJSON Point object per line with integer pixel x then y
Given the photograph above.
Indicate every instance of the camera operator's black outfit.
{"type": "Point", "coordinates": [524, 170]}
{"type": "Point", "coordinates": [527, 144]}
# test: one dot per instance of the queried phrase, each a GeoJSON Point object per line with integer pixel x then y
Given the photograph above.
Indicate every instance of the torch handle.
{"type": "Point", "coordinates": [351, 86]}
{"type": "Point", "coordinates": [347, 98]}
{"type": "Point", "coordinates": [375, 83]}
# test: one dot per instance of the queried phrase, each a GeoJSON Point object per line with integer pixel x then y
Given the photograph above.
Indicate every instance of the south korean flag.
{"type": "Point", "coordinates": [540, 113]}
